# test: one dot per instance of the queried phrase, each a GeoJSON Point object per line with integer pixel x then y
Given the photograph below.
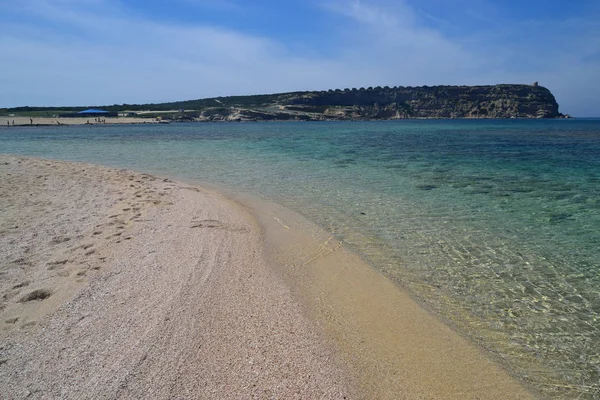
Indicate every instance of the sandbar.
{"type": "Point", "coordinates": [15, 122]}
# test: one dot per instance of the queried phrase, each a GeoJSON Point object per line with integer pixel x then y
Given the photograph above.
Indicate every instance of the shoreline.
{"type": "Point", "coordinates": [111, 121]}
{"type": "Point", "coordinates": [363, 324]}
{"type": "Point", "coordinates": [393, 347]}
{"type": "Point", "coordinates": [20, 122]}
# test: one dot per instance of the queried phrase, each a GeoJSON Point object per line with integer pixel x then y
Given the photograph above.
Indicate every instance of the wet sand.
{"type": "Point", "coordinates": [124, 285]}
{"type": "Point", "coordinates": [391, 347]}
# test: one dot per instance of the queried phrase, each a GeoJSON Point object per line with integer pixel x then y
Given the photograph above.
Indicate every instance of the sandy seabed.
{"type": "Point", "coordinates": [117, 284]}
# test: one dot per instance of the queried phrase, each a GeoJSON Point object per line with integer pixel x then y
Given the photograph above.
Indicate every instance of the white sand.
{"type": "Point", "coordinates": [24, 121]}
{"type": "Point", "coordinates": [147, 288]}
{"type": "Point", "coordinates": [157, 290]}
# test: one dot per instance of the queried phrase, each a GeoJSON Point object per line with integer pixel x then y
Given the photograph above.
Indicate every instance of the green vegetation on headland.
{"type": "Point", "coordinates": [497, 101]}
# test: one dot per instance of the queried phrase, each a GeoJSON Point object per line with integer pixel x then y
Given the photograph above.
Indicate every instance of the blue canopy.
{"type": "Point", "coordinates": [93, 111]}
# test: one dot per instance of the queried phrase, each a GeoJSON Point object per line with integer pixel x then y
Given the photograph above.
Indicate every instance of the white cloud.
{"type": "Point", "coordinates": [137, 60]}
{"type": "Point", "coordinates": [393, 43]}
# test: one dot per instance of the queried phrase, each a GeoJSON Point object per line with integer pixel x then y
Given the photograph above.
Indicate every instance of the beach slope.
{"type": "Point", "coordinates": [118, 284]}
{"type": "Point", "coordinates": [122, 285]}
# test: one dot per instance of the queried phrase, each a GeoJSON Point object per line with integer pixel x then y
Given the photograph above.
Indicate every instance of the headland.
{"type": "Point", "coordinates": [349, 104]}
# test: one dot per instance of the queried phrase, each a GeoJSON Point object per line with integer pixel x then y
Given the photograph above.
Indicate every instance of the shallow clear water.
{"type": "Point", "coordinates": [493, 225]}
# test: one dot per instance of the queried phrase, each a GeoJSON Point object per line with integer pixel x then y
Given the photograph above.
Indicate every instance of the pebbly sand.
{"type": "Point", "coordinates": [117, 284]}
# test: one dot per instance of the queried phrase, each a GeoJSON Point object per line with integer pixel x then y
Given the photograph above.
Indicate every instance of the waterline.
{"type": "Point", "coordinates": [490, 224]}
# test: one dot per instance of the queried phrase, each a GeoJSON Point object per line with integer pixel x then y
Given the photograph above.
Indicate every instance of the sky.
{"type": "Point", "coordinates": [102, 52]}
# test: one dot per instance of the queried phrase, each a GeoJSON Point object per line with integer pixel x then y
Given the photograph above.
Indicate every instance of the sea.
{"type": "Point", "coordinates": [492, 225]}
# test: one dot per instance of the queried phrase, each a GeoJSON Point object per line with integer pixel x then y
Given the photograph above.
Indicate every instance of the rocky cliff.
{"type": "Point", "coordinates": [499, 101]}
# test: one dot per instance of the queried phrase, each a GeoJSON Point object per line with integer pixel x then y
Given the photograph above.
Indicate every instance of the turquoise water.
{"type": "Point", "coordinates": [492, 225]}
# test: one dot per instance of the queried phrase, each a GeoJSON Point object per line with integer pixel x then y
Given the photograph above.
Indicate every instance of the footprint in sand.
{"type": "Point", "coordinates": [38, 294]}
{"type": "Point", "coordinates": [56, 264]}
{"type": "Point", "coordinates": [59, 239]}
{"type": "Point", "coordinates": [212, 223]}
{"type": "Point", "coordinates": [20, 285]}
{"type": "Point", "coordinates": [207, 223]}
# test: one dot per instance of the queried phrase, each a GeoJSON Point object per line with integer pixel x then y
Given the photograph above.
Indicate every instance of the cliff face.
{"type": "Point", "coordinates": [500, 101]}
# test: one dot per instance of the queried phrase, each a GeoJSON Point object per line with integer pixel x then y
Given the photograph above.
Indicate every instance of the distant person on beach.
{"type": "Point", "coordinates": [31, 121]}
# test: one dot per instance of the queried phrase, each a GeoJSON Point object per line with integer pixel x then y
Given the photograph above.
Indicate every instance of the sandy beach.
{"type": "Point", "coordinates": [121, 285]}
{"type": "Point", "coordinates": [118, 284]}
{"type": "Point", "coordinates": [7, 122]}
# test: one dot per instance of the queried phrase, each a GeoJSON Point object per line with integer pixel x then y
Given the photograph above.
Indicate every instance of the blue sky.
{"type": "Point", "coordinates": [95, 52]}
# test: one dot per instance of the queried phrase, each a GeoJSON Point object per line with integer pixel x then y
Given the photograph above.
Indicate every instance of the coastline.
{"type": "Point", "coordinates": [49, 121]}
{"type": "Point", "coordinates": [398, 102]}
{"type": "Point", "coordinates": [393, 348]}
{"type": "Point", "coordinates": [21, 122]}
{"type": "Point", "coordinates": [199, 289]}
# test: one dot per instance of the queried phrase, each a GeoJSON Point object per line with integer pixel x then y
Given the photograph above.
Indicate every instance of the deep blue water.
{"type": "Point", "coordinates": [492, 225]}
